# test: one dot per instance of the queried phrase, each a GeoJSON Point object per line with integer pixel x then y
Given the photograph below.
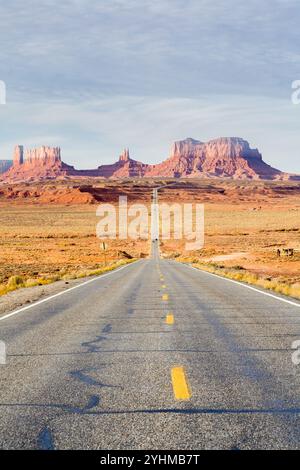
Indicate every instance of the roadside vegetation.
{"type": "Point", "coordinates": [238, 273]}
{"type": "Point", "coordinates": [17, 282]}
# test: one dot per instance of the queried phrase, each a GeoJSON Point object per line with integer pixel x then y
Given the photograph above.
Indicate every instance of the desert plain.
{"type": "Point", "coordinates": [48, 229]}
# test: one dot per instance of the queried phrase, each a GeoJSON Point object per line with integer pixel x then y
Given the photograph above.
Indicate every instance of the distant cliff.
{"type": "Point", "coordinates": [226, 157]}
{"type": "Point", "coordinates": [41, 163]}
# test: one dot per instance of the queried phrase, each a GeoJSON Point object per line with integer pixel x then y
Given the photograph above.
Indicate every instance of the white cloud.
{"type": "Point", "coordinates": [157, 66]}
{"type": "Point", "coordinates": [95, 131]}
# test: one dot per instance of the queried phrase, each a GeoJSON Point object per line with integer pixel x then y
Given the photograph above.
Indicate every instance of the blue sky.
{"type": "Point", "coordinates": [94, 76]}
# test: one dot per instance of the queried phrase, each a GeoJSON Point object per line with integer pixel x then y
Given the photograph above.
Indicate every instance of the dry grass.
{"type": "Point", "coordinates": [17, 282]}
{"type": "Point", "coordinates": [243, 230]}
{"type": "Point", "coordinates": [43, 244]}
{"type": "Point", "coordinates": [54, 241]}
{"type": "Point", "coordinates": [238, 274]}
{"type": "Point", "coordinates": [245, 223]}
{"type": "Point", "coordinates": [249, 239]}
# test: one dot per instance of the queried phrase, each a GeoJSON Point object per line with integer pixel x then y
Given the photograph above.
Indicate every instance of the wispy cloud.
{"type": "Point", "coordinates": [95, 131]}
{"type": "Point", "coordinates": [101, 74]}
{"type": "Point", "coordinates": [149, 47]}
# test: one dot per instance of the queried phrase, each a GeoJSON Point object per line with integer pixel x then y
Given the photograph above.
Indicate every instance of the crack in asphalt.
{"type": "Point", "coordinates": [82, 376]}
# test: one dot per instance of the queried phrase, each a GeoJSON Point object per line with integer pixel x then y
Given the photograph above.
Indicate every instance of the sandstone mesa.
{"type": "Point", "coordinates": [225, 157]}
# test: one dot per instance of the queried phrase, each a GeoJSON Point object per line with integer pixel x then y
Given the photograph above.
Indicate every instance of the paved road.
{"type": "Point", "coordinates": [93, 368]}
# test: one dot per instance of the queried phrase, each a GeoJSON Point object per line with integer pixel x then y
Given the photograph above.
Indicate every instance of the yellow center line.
{"type": "Point", "coordinates": [165, 297]}
{"type": "Point", "coordinates": [170, 319]}
{"type": "Point", "coordinates": [163, 286]}
{"type": "Point", "coordinates": [180, 387]}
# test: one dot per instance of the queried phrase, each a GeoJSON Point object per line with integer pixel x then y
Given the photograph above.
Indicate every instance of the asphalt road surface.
{"type": "Point", "coordinates": [156, 355]}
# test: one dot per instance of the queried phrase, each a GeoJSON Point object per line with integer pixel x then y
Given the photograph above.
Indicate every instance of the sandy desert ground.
{"type": "Point", "coordinates": [47, 230]}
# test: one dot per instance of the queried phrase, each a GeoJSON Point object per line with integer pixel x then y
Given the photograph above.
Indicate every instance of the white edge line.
{"type": "Point", "coordinates": [101, 276]}
{"type": "Point", "coordinates": [245, 285]}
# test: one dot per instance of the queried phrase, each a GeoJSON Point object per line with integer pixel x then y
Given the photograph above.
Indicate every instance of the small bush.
{"type": "Point", "coordinates": [14, 282]}
{"type": "Point", "coordinates": [31, 282]}
{"type": "Point", "coordinates": [3, 289]}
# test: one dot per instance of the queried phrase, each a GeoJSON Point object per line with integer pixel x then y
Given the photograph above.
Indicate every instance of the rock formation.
{"type": "Point", "coordinates": [124, 157]}
{"type": "Point", "coordinates": [18, 155]}
{"type": "Point", "coordinates": [43, 156]}
{"type": "Point", "coordinates": [44, 162]}
{"type": "Point", "coordinates": [226, 157]}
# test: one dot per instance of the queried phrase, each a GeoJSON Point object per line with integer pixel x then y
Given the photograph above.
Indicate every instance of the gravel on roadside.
{"type": "Point", "coordinates": [26, 295]}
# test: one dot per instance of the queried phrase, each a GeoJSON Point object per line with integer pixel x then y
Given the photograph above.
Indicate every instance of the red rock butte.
{"type": "Point", "coordinates": [226, 157]}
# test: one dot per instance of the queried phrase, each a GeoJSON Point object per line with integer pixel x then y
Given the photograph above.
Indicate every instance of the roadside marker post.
{"type": "Point", "coordinates": [104, 248]}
